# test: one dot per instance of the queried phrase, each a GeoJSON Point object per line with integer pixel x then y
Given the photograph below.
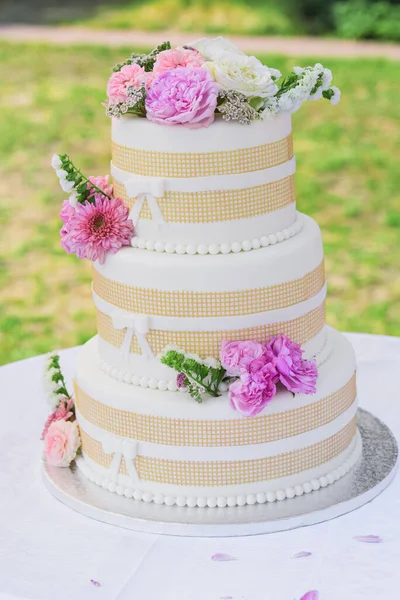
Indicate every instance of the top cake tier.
{"type": "Point", "coordinates": [210, 190]}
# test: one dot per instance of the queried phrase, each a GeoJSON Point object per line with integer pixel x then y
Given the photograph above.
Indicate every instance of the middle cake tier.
{"type": "Point", "coordinates": [146, 302]}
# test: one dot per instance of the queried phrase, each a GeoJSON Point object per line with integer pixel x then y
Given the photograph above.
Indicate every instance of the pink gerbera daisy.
{"type": "Point", "coordinates": [97, 228]}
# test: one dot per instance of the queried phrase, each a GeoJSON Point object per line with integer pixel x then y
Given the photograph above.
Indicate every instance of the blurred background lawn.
{"type": "Point", "coordinates": [348, 179]}
{"type": "Point", "coordinates": [357, 19]}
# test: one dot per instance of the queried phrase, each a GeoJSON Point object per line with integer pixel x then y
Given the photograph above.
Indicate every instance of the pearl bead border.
{"type": "Point", "coordinates": [225, 248]}
{"type": "Point", "coordinates": [223, 501]}
{"type": "Point", "coordinates": [163, 385]}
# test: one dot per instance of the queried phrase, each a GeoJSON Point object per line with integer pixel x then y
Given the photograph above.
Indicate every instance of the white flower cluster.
{"type": "Point", "coordinates": [234, 70]}
{"type": "Point", "coordinates": [308, 83]}
{"type": "Point", "coordinates": [66, 185]}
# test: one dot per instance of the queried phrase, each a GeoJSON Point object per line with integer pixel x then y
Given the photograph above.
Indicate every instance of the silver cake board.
{"type": "Point", "coordinates": [371, 475]}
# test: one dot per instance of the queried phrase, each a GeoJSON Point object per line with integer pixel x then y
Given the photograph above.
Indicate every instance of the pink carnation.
{"type": "Point", "coordinates": [102, 183]}
{"type": "Point", "coordinates": [119, 82]}
{"type": "Point", "coordinates": [255, 388]}
{"type": "Point", "coordinates": [63, 411]}
{"type": "Point", "coordinates": [183, 96]}
{"type": "Point", "coordinates": [296, 374]}
{"type": "Point", "coordinates": [97, 228]}
{"type": "Point", "coordinates": [235, 356]}
{"type": "Point", "coordinates": [179, 57]}
{"type": "Point", "coordinates": [61, 443]}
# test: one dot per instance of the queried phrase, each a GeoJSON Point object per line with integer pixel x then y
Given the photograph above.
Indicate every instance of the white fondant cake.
{"type": "Point", "coordinates": [219, 254]}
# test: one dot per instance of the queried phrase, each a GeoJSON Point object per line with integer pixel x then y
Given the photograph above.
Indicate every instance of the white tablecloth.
{"type": "Point", "coordinates": [49, 552]}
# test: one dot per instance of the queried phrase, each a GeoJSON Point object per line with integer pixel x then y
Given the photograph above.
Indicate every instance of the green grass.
{"type": "Point", "coordinates": [348, 179]}
{"type": "Point", "coordinates": [245, 17]}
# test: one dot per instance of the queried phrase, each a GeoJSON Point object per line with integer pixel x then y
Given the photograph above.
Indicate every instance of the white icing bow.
{"type": "Point", "coordinates": [149, 188]}
{"type": "Point", "coordinates": [134, 324]}
{"type": "Point", "coordinates": [121, 448]}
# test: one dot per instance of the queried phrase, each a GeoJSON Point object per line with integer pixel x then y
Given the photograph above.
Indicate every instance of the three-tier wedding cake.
{"type": "Point", "coordinates": [213, 380]}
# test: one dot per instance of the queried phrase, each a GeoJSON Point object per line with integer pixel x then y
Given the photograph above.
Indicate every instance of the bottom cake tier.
{"type": "Point", "coordinates": [161, 446]}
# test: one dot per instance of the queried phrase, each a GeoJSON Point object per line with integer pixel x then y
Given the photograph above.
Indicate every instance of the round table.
{"type": "Point", "coordinates": [50, 552]}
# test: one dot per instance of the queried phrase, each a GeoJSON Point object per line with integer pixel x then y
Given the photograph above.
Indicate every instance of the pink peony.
{"type": "Point", "coordinates": [236, 355]}
{"type": "Point", "coordinates": [102, 183]}
{"type": "Point", "coordinates": [182, 96]}
{"type": "Point", "coordinates": [119, 82]}
{"type": "Point", "coordinates": [63, 411]}
{"type": "Point", "coordinates": [296, 374]}
{"type": "Point", "coordinates": [179, 57]}
{"type": "Point", "coordinates": [61, 443]}
{"type": "Point", "coordinates": [95, 229]}
{"type": "Point", "coordinates": [256, 386]}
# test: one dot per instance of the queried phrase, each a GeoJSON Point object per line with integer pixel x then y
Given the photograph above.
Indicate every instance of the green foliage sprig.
{"type": "Point", "coordinates": [72, 180]}
{"type": "Point", "coordinates": [56, 376]}
{"type": "Point", "coordinates": [200, 377]}
{"type": "Point", "coordinates": [143, 60]}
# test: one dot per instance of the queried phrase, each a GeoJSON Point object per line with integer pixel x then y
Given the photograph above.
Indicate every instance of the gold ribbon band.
{"type": "Point", "coordinates": [208, 343]}
{"type": "Point", "coordinates": [218, 205]}
{"type": "Point", "coordinates": [220, 432]}
{"type": "Point", "coordinates": [208, 304]}
{"type": "Point", "coordinates": [201, 164]}
{"type": "Point", "coordinates": [221, 473]}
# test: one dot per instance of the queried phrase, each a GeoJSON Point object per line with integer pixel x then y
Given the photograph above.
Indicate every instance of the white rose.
{"type": "Point", "coordinates": [67, 186]}
{"type": "Point", "coordinates": [245, 74]}
{"type": "Point", "coordinates": [56, 162]}
{"type": "Point", "coordinates": [211, 48]}
{"type": "Point", "coordinates": [336, 95]}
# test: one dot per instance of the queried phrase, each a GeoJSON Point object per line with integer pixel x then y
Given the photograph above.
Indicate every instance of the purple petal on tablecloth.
{"type": "Point", "coordinates": [311, 595]}
{"type": "Point", "coordinates": [222, 557]}
{"type": "Point", "coordinates": [302, 554]}
{"type": "Point", "coordinates": [95, 583]}
{"type": "Point", "coordinates": [368, 539]}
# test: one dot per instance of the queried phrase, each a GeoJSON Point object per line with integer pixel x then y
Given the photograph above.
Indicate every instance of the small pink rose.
{"type": "Point", "coordinates": [61, 443]}
{"type": "Point", "coordinates": [119, 82]}
{"type": "Point", "coordinates": [178, 57]}
{"type": "Point", "coordinates": [63, 411]}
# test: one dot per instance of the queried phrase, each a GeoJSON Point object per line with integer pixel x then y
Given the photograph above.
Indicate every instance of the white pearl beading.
{"type": "Point", "coordinates": [163, 385]}
{"type": "Point", "coordinates": [223, 501]}
{"type": "Point", "coordinates": [225, 248]}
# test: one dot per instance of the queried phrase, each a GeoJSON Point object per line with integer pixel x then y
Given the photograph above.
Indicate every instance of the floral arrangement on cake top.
{"type": "Point", "coordinates": [191, 85]}
{"type": "Point", "coordinates": [60, 433]}
{"type": "Point", "coordinates": [249, 369]}
{"type": "Point", "coordinates": [95, 222]}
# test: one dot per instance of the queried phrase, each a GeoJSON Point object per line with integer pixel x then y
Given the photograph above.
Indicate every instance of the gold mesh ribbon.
{"type": "Point", "coordinates": [201, 164]}
{"type": "Point", "coordinates": [208, 304]}
{"type": "Point", "coordinates": [208, 343]}
{"type": "Point", "coordinates": [218, 205]}
{"type": "Point", "coordinates": [171, 431]}
{"type": "Point", "coordinates": [221, 473]}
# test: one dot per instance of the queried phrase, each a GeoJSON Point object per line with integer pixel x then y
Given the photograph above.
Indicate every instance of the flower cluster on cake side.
{"type": "Point", "coordinates": [192, 84]}
{"type": "Point", "coordinates": [250, 370]}
{"type": "Point", "coordinates": [60, 433]}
